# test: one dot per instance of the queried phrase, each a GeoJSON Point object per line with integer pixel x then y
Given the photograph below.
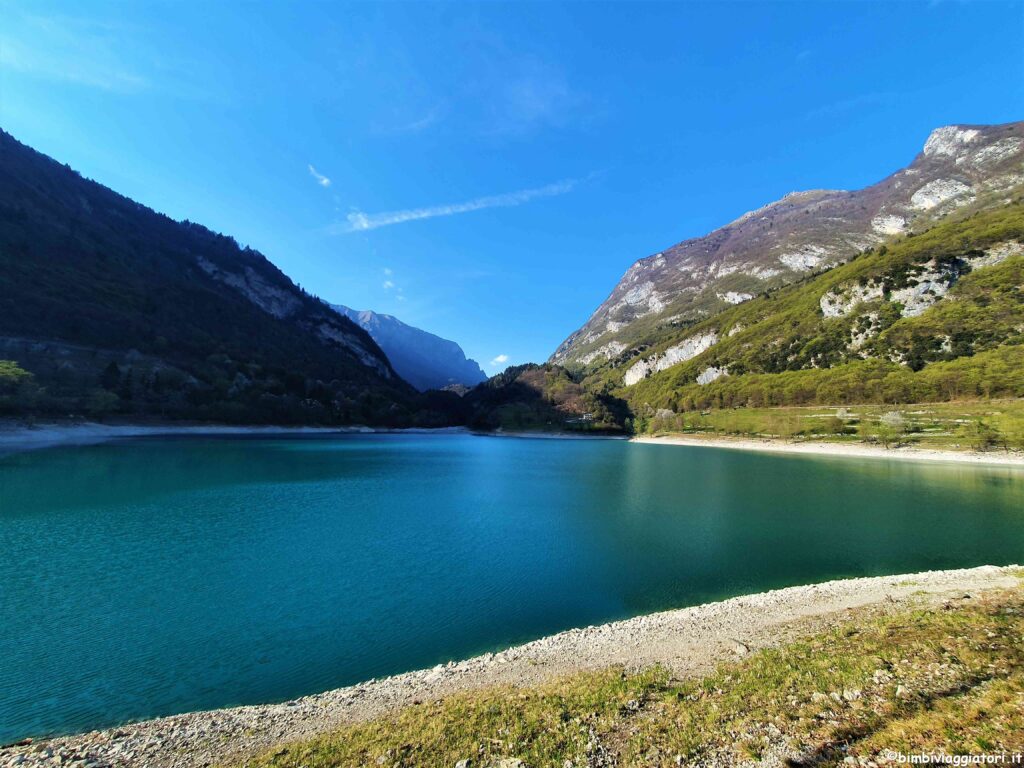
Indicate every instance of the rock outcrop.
{"type": "Point", "coordinates": [685, 350]}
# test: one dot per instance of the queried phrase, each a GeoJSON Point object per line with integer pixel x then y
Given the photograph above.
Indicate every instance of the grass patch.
{"type": "Point", "coordinates": [950, 679]}
{"type": "Point", "coordinates": [995, 425]}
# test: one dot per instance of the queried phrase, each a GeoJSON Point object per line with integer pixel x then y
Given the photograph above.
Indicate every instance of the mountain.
{"type": "Point", "coordinates": [117, 309]}
{"type": "Point", "coordinates": [424, 360]}
{"type": "Point", "coordinates": [929, 317]}
{"type": "Point", "coordinates": [961, 168]}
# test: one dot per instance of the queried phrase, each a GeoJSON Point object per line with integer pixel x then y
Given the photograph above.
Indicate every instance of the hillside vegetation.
{"type": "Point", "coordinates": [934, 317]}
{"type": "Point", "coordinates": [923, 681]}
{"type": "Point", "coordinates": [983, 425]}
{"type": "Point", "coordinates": [543, 397]}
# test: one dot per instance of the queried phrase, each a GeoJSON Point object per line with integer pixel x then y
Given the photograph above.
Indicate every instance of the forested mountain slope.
{"type": "Point", "coordinates": [934, 316]}
{"type": "Point", "coordinates": [116, 309]}
{"type": "Point", "coordinates": [543, 397]}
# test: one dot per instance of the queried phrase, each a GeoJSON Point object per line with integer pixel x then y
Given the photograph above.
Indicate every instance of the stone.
{"type": "Point", "coordinates": [740, 648]}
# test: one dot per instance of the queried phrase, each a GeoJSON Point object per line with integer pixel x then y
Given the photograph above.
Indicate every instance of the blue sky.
{"type": "Point", "coordinates": [488, 171]}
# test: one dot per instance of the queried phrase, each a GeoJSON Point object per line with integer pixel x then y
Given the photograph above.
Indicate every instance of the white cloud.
{"type": "Point", "coordinates": [358, 221]}
{"type": "Point", "coordinates": [80, 51]}
{"type": "Point", "coordinates": [533, 95]}
{"type": "Point", "coordinates": [322, 180]}
{"type": "Point", "coordinates": [499, 360]}
{"type": "Point", "coordinates": [863, 102]}
{"type": "Point", "coordinates": [388, 271]}
{"type": "Point", "coordinates": [511, 93]}
{"type": "Point", "coordinates": [421, 123]}
{"type": "Point", "coordinates": [388, 285]}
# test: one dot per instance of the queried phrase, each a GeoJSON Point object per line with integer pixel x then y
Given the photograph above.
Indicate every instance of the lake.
{"type": "Point", "coordinates": [153, 576]}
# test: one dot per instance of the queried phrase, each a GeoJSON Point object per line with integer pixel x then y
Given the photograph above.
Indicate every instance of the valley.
{"type": "Point", "coordinates": [928, 312]}
{"type": "Point", "coordinates": [511, 385]}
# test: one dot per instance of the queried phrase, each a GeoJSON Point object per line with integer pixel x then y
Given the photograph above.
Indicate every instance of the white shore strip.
{"type": "Point", "coordinates": [15, 438]}
{"type": "Point", "coordinates": [549, 435]}
{"type": "Point", "coordinates": [689, 641]}
{"type": "Point", "coordinates": [858, 450]}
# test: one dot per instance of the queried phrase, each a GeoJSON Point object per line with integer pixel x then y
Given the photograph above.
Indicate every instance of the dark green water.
{"type": "Point", "coordinates": [157, 576]}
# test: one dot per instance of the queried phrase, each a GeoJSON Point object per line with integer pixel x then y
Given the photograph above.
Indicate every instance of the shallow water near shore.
{"type": "Point", "coordinates": [148, 577]}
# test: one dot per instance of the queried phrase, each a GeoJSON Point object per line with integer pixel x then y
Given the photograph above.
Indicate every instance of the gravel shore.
{"type": "Point", "coordinates": [859, 450]}
{"type": "Point", "coordinates": [689, 641]}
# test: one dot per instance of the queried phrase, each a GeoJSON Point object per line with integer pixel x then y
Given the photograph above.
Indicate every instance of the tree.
{"type": "Point", "coordinates": [981, 435]}
{"type": "Point", "coordinates": [101, 401]}
{"type": "Point", "coordinates": [12, 375]}
{"type": "Point", "coordinates": [111, 376]}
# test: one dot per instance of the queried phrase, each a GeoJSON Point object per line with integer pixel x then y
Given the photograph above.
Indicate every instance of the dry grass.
{"type": "Point", "coordinates": [950, 679]}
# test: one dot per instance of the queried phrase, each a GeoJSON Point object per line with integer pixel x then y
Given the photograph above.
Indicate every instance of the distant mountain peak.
{"type": "Point", "coordinates": [421, 358]}
{"type": "Point", "coordinates": [949, 140]}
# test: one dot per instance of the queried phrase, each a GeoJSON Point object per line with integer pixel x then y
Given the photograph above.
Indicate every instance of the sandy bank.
{"type": "Point", "coordinates": [690, 641]}
{"type": "Point", "coordinates": [861, 450]}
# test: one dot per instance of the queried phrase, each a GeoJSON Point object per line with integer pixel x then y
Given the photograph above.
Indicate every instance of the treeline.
{"type": "Point", "coordinates": [230, 393]}
{"type": "Point", "coordinates": [979, 424]}
{"type": "Point", "coordinates": [543, 397]}
{"type": "Point", "coordinates": [996, 373]}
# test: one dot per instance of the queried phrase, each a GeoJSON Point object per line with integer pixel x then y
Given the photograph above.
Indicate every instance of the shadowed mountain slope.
{"type": "Point", "coordinates": [117, 309]}
{"type": "Point", "coordinates": [424, 360]}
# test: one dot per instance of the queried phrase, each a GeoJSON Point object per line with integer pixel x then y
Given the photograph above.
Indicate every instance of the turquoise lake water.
{"type": "Point", "coordinates": [149, 577]}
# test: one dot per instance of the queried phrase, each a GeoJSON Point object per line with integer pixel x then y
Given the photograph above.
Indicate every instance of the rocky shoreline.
{"type": "Point", "coordinates": [689, 641]}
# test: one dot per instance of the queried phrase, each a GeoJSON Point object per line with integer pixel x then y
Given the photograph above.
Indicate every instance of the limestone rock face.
{"type": "Point", "coordinates": [929, 284]}
{"type": "Point", "coordinates": [711, 373]}
{"type": "Point", "coordinates": [685, 350]}
{"type": "Point", "coordinates": [841, 302]}
{"type": "Point", "coordinates": [937, 192]}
